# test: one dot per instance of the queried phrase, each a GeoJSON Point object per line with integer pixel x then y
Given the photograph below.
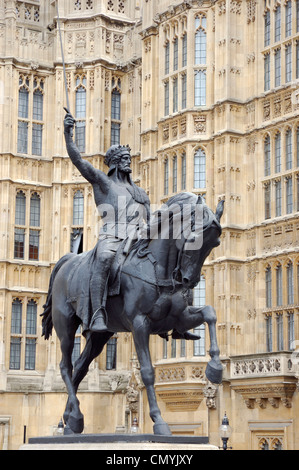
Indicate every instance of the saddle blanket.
{"type": "Point", "coordinates": [80, 276]}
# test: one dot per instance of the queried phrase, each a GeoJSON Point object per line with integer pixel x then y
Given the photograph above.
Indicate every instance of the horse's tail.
{"type": "Point", "coordinates": [47, 324]}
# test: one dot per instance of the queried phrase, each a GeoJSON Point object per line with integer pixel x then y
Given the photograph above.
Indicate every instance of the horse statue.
{"type": "Point", "coordinates": [155, 282]}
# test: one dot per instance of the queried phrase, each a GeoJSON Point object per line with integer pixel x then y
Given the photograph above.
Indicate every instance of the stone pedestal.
{"type": "Point", "coordinates": [123, 444]}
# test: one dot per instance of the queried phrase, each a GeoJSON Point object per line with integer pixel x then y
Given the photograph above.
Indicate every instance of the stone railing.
{"type": "Point", "coordinates": [180, 372]}
{"type": "Point", "coordinates": [182, 385]}
{"type": "Point", "coordinates": [265, 380]}
{"type": "Point", "coordinates": [265, 365]}
{"type": "Point", "coordinates": [28, 11]}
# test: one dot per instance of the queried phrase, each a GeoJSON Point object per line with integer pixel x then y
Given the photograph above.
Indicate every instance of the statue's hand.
{"type": "Point", "coordinates": [69, 123]}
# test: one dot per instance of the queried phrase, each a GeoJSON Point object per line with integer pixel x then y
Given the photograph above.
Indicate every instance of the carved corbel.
{"type": "Point", "coordinates": [250, 402]}
{"type": "Point", "coordinates": [262, 403]}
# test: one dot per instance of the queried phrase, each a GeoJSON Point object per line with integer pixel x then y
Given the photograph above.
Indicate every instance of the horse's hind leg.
{"type": "Point", "coordinates": [95, 343]}
{"type": "Point", "coordinates": [66, 325]}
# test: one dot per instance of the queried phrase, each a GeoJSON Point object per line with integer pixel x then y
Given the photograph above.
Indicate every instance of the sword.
{"type": "Point", "coordinates": [63, 61]}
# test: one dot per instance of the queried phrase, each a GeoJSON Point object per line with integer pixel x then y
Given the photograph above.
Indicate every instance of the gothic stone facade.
{"type": "Point", "coordinates": [205, 93]}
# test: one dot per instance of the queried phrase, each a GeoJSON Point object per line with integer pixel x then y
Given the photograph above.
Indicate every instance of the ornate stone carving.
{"type": "Point", "coordinates": [210, 393]}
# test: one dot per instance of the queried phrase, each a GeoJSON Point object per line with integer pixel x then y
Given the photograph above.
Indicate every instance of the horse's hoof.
{"type": "Point", "coordinates": [68, 431]}
{"type": "Point", "coordinates": [162, 429]}
{"type": "Point", "coordinates": [214, 372]}
{"type": "Point", "coordinates": [76, 423]}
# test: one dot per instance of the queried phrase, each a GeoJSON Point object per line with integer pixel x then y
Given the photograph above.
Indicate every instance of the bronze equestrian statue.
{"type": "Point", "coordinates": [118, 191]}
{"type": "Point", "coordinates": [134, 280]}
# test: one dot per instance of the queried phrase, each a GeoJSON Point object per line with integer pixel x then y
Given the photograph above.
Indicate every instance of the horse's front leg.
{"type": "Point", "coordinates": [214, 368]}
{"type": "Point", "coordinates": [141, 339]}
{"type": "Point", "coordinates": [193, 317]}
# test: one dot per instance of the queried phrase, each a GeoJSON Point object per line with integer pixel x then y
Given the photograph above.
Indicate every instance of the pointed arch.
{"type": "Point", "coordinates": [200, 168]}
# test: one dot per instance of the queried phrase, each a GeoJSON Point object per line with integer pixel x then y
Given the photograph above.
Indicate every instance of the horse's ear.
{"type": "Point", "coordinates": [200, 200]}
{"type": "Point", "coordinates": [219, 210]}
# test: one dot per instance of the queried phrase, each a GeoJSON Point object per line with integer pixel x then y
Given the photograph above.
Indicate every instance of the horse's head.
{"type": "Point", "coordinates": [204, 236]}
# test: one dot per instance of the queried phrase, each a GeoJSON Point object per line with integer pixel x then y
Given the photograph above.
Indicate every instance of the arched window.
{"type": "Point", "coordinates": [278, 153]}
{"type": "Point", "coordinates": [267, 200]}
{"type": "Point", "coordinates": [31, 318]}
{"type": "Point", "coordinates": [20, 215]}
{"type": "Point", "coordinates": [37, 116]}
{"type": "Point", "coordinates": [38, 100]}
{"type": "Point", "coordinates": [24, 99]}
{"type": "Point", "coordinates": [78, 208]}
{"type": "Point", "coordinates": [268, 287]}
{"type": "Point", "coordinates": [111, 351]}
{"type": "Point", "coordinates": [173, 348]}
{"type": "Point", "coordinates": [78, 222]}
{"type": "Point", "coordinates": [200, 40]}
{"type": "Point", "coordinates": [81, 113]}
{"type": "Point", "coordinates": [200, 88]}
{"type": "Point", "coordinates": [31, 329]}
{"type": "Point", "coordinates": [23, 114]}
{"type": "Point", "coordinates": [77, 346]}
{"type": "Point", "coordinates": [200, 169]}
{"type": "Point", "coordinates": [290, 283]}
{"type": "Point", "coordinates": [16, 317]}
{"type": "Point", "coordinates": [35, 210]}
{"type": "Point", "coordinates": [183, 170]}
{"type": "Point", "coordinates": [200, 78]}
{"type": "Point", "coordinates": [184, 90]}
{"type": "Point", "coordinates": [291, 331]}
{"type": "Point", "coordinates": [199, 300]}
{"type": "Point", "coordinates": [175, 175]}
{"type": "Point", "coordinates": [289, 194]}
{"type": "Point", "coordinates": [269, 333]}
{"type": "Point", "coordinates": [279, 299]}
{"type": "Point", "coordinates": [166, 98]}
{"type": "Point", "coordinates": [167, 49]}
{"type": "Point", "coordinates": [31, 89]}
{"type": "Point", "coordinates": [278, 198]}
{"type": "Point", "coordinates": [267, 155]}
{"type": "Point", "coordinates": [288, 16]}
{"type": "Point", "coordinates": [15, 339]}
{"type": "Point", "coordinates": [277, 59]}
{"type": "Point", "coordinates": [267, 72]}
{"type": "Point", "coordinates": [175, 54]}
{"type": "Point", "coordinates": [277, 23]}
{"type": "Point", "coordinates": [166, 177]}
{"type": "Point", "coordinates": [115, 105]}
{"type": "Point", "coordinates": [175, 95]}
{"type": "Point", "coordinates": [115, 112]}
{"type": "Point", "coordinates": [199, 293]}
{"type": "Point", "coordinates": [288, 63]}
{"type": "Point", "coordinates": [279, 331]}
{"type": "Point", "coordinates": [20, 220]}
{"type": "Point", "coordinates": [267, 32]}
{"type": "Point", "coordinates": [289, 149]}
{"type": "Point", "coordinates": [185, 50]}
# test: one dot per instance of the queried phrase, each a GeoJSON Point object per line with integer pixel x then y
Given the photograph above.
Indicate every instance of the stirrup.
{"type": "Point", "coordinates": [98, 321]}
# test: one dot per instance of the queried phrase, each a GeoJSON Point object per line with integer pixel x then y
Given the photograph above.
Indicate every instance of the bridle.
{"type": "Point", "coordinates": [177, 273]}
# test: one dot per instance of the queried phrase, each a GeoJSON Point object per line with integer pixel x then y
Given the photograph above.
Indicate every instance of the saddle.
{"type": "Point", "coordinates": [81, 270]}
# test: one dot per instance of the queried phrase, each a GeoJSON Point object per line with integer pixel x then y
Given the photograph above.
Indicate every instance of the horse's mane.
{"type": "Point", "coordinates": [180, 199]}
{"type": "Point", "coordinates": [173, 203]}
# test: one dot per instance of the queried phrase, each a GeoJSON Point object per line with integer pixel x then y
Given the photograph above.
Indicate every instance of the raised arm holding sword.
{"type": "Point", "coordinates": [124, 205]}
